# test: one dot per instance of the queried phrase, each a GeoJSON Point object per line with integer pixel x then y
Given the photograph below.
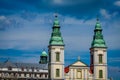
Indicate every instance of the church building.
{"type": "Point", "coordinates": [51, 64]}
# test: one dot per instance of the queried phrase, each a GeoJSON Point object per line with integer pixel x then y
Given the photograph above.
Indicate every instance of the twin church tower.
{"type": "Point", "coordinates": [98, 54]}
{"type": "Point", "coordinates": [56, 53]}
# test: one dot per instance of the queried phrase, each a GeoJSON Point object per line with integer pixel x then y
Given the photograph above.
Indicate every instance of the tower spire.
{"type": "Point", "coordinates": [98, 40]}
{"type": "Point", "coordinates": [98, 54]}
{"type": "Point", "coordinates": [56, 53]}
{"type": "Point", "coordinates": [56, 38]}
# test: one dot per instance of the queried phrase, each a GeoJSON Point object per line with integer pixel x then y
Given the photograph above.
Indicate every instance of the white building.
{"type": "Point", "coordinates": [23, 71]}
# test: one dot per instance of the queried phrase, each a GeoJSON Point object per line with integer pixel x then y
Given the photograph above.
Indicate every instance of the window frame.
{"type": "Point", "coordinates": [79, 74]}
{"type": "Point", "coordinates": [100, 58]}
{"type": "Point", "coordinates": [57, 72]}
{"type": "Point", "coordinates": [57, 56]}
{"type": "Point", "coordinates": [9, 68]}
{"type": "Point", "coordinates": [100, 73]}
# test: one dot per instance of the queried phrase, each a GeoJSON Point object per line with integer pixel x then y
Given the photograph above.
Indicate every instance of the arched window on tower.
{"type": "Point", "coordinates": [57, 56]}
{"type": "Point", "coordinates": [57, 72]}
{"type": "Point", "coordinates": [100, 58]}
{"type": "Point", "coordinates": [100, 74]}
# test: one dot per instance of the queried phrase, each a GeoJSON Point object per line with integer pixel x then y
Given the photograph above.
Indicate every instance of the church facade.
{"type": "Point", "coordinates": [51, 65]}
{"type": "Point", "coordinates": [77, 70]}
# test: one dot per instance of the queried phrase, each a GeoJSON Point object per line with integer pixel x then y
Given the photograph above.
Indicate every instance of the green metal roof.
{"type": "Point", "coordinates": [98, 40]}
{"type": "Point", "coordinates": [56, 38]}
{"type": "Point", "coordinates": [98, 25]}
{"type": "Point", "coordinates": [56, 22]}
{"type": "Point", "coordinates": [44, 53]}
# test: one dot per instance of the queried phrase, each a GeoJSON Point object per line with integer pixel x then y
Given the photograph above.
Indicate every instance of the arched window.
{"type": "Point", "coordinates": [57, 72]}
{"type": "Point", "coordinates": [100, 58]}
{"type": "Point", "coordinates": [100, 74]}
{"type": "Point", "coordinates": [57, 56]}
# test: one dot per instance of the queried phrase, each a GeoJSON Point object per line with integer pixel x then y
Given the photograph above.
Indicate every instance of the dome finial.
{"type": "Point", "coordinates": [56, 15]}
{"type": "Point", "coordinates": [56, 21]}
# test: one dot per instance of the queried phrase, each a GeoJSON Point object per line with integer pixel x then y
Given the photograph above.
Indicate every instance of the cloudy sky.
{"type": "Point", "coordinates": [26, 26]}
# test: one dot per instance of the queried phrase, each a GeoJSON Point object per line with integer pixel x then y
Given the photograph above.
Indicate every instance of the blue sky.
{"type": "Point", "coordinates": [26, 26]}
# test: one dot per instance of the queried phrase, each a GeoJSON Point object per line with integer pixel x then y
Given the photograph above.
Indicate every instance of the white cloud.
{"type": "Point", "coordinates": [117, 3]}
{"type": "Point", "coordinates": [105, 14]}
{"type": "Point", "coordinates": [35, 34]}
{"type": "Point", "coordinates": [109, 16]}
{"type": "Point", "coordinates": [2, 17]}
{"type": "Point", "coordinates": [58, 1]}
{"type": "Point", "coordinates": [29, 35]}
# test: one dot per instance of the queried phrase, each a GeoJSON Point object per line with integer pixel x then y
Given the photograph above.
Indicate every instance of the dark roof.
{"type": "Point", "coordinates": [22, 65]}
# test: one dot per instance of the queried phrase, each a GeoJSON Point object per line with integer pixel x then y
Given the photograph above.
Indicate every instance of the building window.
{"type": "Point", "coordinates": [79, 73]}
{"type": "Point", "coordinates": [20, 75]}
{"type": "Point", "coordinates": [22, 68]}
{"type": "Point", "coordinates": [32, 69]}
{"type": "Point", "coordinates": [37, 69]}
{"type": "Point", "coordinates": [57, 56]}
{"type": "Point", "coordinates": [100, 58]}
{"type": "Point", "coordinates": [40, 75]}
{"type": "Point", "coordinates": [6, 74]}
{"type": "Point", "coordinates": [16, 74]}
{"type": "Point", "coordinates": [27, 69]}
{"type": "Point", "coordinates": [25, 74]}
{"type": "Point", "coordinates": [9, 68]}
{"type": "Point", "coordinates": [92, 59]}
{"type": "Point", "coordinates": [35, 75]}
{"type": "Point", "coordinates": [100, 74]}
{"type": "Point", "coordinates": [57, 72]}
{"type": "Point", "coordinates": [46, 75]}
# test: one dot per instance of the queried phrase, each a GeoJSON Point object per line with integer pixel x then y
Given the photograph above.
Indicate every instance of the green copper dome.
{"type": "Point", "coordinates": [43, 58]}
{"type": "Point", "coordinates": [44, 53]}
{"type": "Point", "coordinates": [98, 26]}
{"type": "Point", "coordinates": [98, 40]}
{"type": "Point", "coordinates": [56, 38]}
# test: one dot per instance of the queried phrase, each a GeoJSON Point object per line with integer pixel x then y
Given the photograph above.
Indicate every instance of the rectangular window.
{"type": "Point", "coordinates": [91, 59]}
{"type": "Point", "coordinates": [22, 69]}
{"type": "Point", "coordinates": [46, 75]}
{"type": "Point", "coordinates": [100, 74]}
{"type": "Point", "coordinates": [57, 56]}
{"type": "Point", "coordinates": [100, 58]}
{"type": "Point", "coordinates": [57, 72]}
{"type": "Point", "coordinates": [24, 75]}
{"type": "Point", "coordinates": [9, 68]}
{"type": "Point", "coordinates": [79, 74]}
